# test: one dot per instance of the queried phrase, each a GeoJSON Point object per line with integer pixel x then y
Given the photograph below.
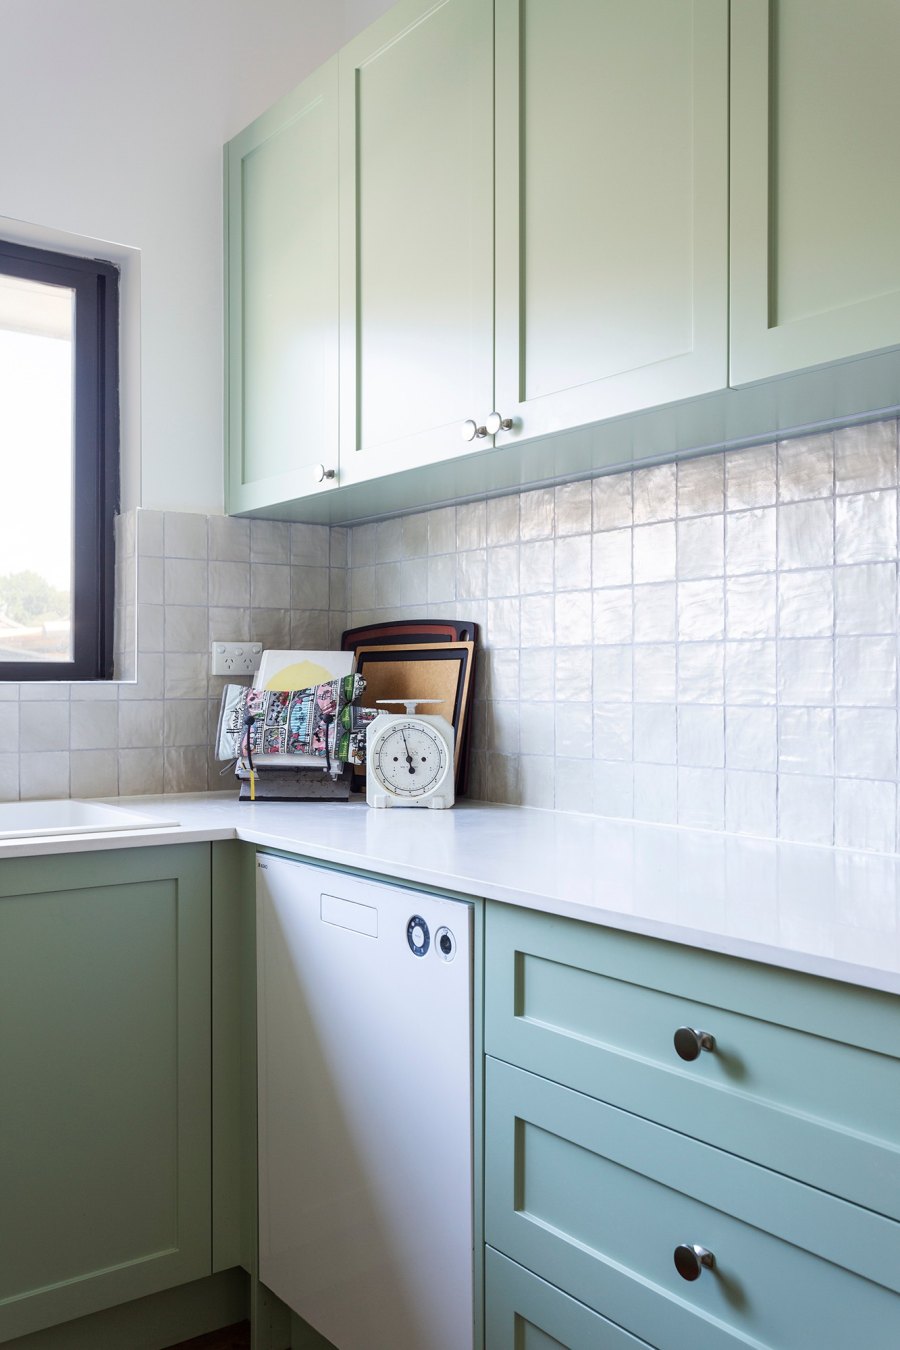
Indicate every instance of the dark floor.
{"type": "Point", "coordinates": [229, 1338]}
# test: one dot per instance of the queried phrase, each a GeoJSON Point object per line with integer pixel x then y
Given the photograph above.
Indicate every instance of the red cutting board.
{"type": "Point", "coordinates": [408, 630]}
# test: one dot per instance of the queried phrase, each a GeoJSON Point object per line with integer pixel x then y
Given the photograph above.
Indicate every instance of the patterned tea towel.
{"type": "Point", "coordinates": [322, 720]}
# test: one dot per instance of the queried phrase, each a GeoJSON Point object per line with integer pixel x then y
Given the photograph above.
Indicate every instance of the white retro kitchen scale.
{"type": "Point", "coordinates": [409, 757]}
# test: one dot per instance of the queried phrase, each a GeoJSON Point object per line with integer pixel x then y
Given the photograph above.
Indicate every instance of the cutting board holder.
{"type": "Point", "coordinates": [296, 785]}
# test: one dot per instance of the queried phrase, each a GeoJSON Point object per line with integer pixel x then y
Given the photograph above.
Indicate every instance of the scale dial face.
{"type": "Point", "coordinates": [410, 758]}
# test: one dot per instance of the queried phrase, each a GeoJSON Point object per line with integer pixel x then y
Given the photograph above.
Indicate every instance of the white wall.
{"type": "Point", "coordinates": [113, 114]}
{"type": "Point", "coordinates": [358, 14]}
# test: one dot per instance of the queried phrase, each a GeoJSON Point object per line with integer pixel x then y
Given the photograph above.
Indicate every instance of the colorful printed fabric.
{"type": "Point", "coordinates": [322, 720]}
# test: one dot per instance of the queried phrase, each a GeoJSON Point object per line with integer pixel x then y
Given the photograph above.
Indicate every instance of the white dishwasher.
{"type": "Point", "coordinates": [365, 1107]}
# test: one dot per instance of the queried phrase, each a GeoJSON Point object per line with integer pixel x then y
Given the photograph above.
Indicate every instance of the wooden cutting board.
{"type": "Point", "coordinates": [442, 670]}
{"type": "Point", "coordinates": [413, 632]}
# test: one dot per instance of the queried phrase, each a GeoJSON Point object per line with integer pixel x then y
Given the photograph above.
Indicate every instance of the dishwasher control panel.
{"type": "Point", "coordinates": [417, 935]}
{"type": "Point", "coordinates": [419, 939]}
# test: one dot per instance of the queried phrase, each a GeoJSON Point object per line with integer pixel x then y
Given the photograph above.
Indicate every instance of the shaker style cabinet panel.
{"type": "Point", "coordinates": [599, 1202]}
{"type": "Point", "coordinates": [804, 1076]}
{"type": "Point", "coordinates": [282, 298]}
{"type": "Point", "coordinates": [648, 1105]}
{"type": "Point", "coordinates": [596, 130]}
{"type": "Point", "coordinates": [523, 1312]}
{"type": "Point", "coordinates": [105, 1066]}
{"type": "Point", "coordinates": [611, 207]}
{"type": "Point", "coordinates": [815, 187]}
{"type": "Point", "coordinates": [515, 216]}
{"type": "Point", "coordinates": [416, 236]}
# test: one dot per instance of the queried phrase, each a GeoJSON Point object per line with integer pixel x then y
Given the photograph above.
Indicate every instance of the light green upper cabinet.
{"type": "Point", "coordinates": [612, 209]}
{"type": "Point", "coordinates": [815, 184]}
{"type": "Point", "coordinates": [416, 235]}
{"type": "Point", "coordinates": [282, 298]}
{"type": "Point", "coordinates": [105, 1071]}
{"type": "Point", "coordinates": [516, 214]}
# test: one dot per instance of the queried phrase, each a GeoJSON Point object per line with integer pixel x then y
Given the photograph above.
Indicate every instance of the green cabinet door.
{"type": "Point", "coordinates": [281, 177]}
{"type": "Point", "coordinates": [611, 207]}
{"type": "Point", "coordinates": [416, 236]}
{"type": "Point", "coordinates": [815, 187]}
{"type": "Point", "coordinates": [105, 1067]}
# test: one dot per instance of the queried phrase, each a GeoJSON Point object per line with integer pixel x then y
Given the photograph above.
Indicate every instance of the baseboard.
{"type": "Point", "coordinates": [152, 1323]}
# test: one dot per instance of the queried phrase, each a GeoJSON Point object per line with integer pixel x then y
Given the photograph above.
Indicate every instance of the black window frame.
{"type": "Point", "coordinates": [95, 443]}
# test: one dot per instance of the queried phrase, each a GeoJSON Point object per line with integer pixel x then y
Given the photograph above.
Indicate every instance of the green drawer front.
{"type": "Point", "coordinates": [596, 1200]}
{"type": "Point", "coordinates": [804, 1078]}
{"type": "Point", "coordinates": [523, 1312]}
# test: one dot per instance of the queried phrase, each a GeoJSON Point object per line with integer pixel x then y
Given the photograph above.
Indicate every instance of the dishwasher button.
{"type": "Point", "coordinates": [445, 943]}
{"type": "Point", "coordinates": [417, 935]}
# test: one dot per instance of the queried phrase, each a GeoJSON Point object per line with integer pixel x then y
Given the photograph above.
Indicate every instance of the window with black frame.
{"type": "Point", "coordinates": [59, 449]}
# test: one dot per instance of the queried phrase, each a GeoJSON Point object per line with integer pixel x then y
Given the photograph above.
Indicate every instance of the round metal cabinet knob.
{"type": "Point", "coordinates": [495, 423]}
{"type": "Point", "coordinates": [471, 430]}
{"type": "Point", "coordinates": [322, 473]}
{"type": "Point", "coordinates": [691, 1260]}
{"type": "Point", "coordinates": [689, 1042]}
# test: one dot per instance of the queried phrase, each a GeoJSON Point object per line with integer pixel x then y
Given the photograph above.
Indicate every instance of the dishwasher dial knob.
{"type": "Point", "coordinates": [417, 935]}
{"type": "Point", "coordinates": [445, 943]}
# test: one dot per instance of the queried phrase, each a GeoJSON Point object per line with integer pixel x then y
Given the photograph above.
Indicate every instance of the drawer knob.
{"type": "Point", "coordinates": [495, 423]}
{"type": "Point", "coordinates": [691, 1260]}
{"type": "Point", "coordinates": [689, 1042]}
{"type": "Point", "coordinates": [322, 473]}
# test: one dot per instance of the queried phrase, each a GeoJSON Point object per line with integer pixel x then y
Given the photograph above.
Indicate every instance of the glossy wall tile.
{"type": "Point", "coordinates": [182, 580]}
{"type": "Point", "coordinates": [712, 644]}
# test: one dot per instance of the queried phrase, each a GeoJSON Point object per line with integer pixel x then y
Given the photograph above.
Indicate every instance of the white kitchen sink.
{"type": "Point", "coordinates": [19, 820]}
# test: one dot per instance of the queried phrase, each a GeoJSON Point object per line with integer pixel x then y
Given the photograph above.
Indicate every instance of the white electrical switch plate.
{"type": "Point", "coordinates": [236, 658]}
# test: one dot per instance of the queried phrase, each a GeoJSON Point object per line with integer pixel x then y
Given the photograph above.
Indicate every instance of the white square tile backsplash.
{"type": "Point", "coordinates": [735, 617]}
{"type": "Point", "coordinates": [655, 611]}
{"type": "Point", "coordinates": [181, 581]}
{"type": "Point", "coordinates": [654, 551]}
{"type": "Point", "coordinates": [701, 737]}
{"type": "Point", "coordinates": [750, 541]}
{"type": "Point", "coordinates": [712, 643]}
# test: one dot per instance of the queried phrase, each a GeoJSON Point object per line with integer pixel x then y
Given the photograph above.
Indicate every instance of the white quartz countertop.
{"type": "Point", "coordinates": [829, 912]}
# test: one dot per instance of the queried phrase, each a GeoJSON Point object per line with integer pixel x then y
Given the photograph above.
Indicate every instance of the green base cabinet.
{"type": "Point", "coordinates": [105, 1130]}
{"type": "Point", "coordinates": [523, 1312]}
{"type": "Point", "coordinates": [804, 1079]}
{"type": "Point", "coordinates": [596, 1201]}
{"type": "Point", "coordinates": [773, 1143]}
{"type": "Point", "coordinates": [155, 1322]}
